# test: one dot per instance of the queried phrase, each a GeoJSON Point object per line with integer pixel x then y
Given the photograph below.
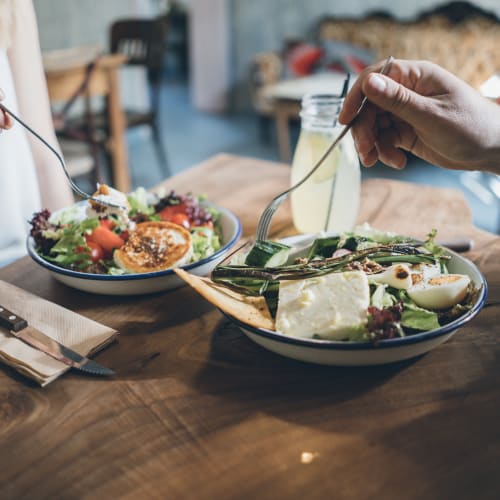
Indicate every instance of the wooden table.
{"type": "Point", "coordinates": [65, 70]}
{"type": "Point", "coordinates": [198, 411]}
{"type": "Point", "coordinates": [285, 98]}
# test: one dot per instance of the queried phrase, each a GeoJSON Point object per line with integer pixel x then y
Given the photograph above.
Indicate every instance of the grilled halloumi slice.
{"type": "Point", "coordinates": [154, 246]}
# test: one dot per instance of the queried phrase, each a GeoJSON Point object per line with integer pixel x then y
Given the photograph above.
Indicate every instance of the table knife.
{"type": "Point", "coordinates": [19, 327]}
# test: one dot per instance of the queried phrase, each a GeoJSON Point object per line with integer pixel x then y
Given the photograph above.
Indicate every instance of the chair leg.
{"type": "Point", "coordinates": [160, 150]}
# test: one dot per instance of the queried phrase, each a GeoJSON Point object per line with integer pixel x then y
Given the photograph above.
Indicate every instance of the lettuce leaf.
{"type": "Point", "coordinates": [416, 317]}
{"type": "Point", "coordinates": [205, 242]}
{"type": "Point", "coordinates": [138, 200]}
{"type": "Point", "coordinates": [67, 251]}
{"type": "Point", "coordinates": [381, 298]}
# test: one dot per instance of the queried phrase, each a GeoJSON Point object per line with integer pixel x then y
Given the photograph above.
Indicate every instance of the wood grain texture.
{"type": "Point", "coordinates": [199, 411]}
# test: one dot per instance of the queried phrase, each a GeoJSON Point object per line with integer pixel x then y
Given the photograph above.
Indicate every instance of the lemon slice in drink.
{"type": "Point", "coordinates": [329, 167]}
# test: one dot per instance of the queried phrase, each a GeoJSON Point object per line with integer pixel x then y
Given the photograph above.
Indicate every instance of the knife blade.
{"type": "Point", "coordinates": [19, 327]}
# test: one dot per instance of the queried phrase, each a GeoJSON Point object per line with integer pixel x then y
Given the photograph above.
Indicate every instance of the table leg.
{"type": "Point", "coordinates": [117, 144]}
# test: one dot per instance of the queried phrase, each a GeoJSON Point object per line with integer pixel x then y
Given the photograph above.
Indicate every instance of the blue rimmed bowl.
{"type": "Point", "coordinates": [143, 283]}
{"type": "Point", "coordinates": [330, 352]}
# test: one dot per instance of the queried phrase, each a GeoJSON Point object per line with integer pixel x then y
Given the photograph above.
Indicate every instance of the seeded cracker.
{"type": "Point", "coordinates": [250, 310]}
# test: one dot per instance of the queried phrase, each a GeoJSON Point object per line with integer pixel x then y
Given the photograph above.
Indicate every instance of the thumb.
{"type": "Point", "coordinates": [393, 97]}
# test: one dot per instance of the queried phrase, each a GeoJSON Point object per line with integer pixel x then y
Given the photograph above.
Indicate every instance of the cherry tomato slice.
{"type": "Point", "coordinates": [181, 220]}
{"type": "Point", "coordinates": [93, 249]}
{"type": "Point", "coordinates": [106, 239]}
{"type": "Point", "coordinates": [96, 252]}
{"type": "Point", "coordinates": [168, 212]}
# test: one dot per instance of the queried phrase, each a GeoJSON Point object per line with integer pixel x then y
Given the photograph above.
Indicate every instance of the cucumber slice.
{"type": "Point", "coordinates": [267, 253]}
{"type": "Point", "coordinates": [323, 247]}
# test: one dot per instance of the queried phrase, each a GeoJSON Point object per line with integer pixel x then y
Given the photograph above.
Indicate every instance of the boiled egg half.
{"type": "Point", "coordinates": [397, 276]}
{"type": "Point", "coordinates": [440, 292]}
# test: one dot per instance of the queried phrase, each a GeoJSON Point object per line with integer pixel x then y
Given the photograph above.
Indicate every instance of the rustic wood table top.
{"type": "Point", "coordinates": [199, 411]}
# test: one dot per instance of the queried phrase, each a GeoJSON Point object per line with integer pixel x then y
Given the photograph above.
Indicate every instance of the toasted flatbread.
{"type": "Point", "coordinates": [154, 246]}
{"type": "Point", "coordinates": [250, 310]}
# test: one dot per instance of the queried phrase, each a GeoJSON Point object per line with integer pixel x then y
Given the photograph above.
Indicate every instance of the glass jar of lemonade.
{"type": "Point", "coordinates": [329, 199]}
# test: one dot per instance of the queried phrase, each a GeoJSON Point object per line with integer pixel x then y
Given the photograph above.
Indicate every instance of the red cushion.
{"type": "Point", "coordinates": [302, 59]}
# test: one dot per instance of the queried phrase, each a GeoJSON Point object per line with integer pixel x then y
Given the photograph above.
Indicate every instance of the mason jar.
{"type": "Point", "coordinates": [329, 199]}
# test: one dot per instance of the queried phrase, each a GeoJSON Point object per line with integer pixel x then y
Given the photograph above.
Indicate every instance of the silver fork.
{"type": "Point", "coordinates": [269, 211]}
{"type": "Point", "coordinates": [74, 187]}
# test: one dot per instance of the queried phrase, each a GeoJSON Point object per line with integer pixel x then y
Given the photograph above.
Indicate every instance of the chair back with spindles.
{"type": "Point", "coordinates": [143, 41]}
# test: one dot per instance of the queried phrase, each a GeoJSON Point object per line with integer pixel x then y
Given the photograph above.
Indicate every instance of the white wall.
{"type": "Point", "coordinates": [209, 45]}
{"type": "Point", "coordinates": [69, 23]}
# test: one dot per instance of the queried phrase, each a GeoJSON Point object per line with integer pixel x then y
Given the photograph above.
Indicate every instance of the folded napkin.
{"type": "Point", "coordinates": [81, 334]}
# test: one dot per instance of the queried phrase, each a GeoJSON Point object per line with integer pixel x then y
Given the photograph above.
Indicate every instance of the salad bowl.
{"type": "Point", "coordinates": [343, 353]}
{"type": "Point", "coordinates": [259, 328]}
{"type": "Point", "coordinates": [144, 283]}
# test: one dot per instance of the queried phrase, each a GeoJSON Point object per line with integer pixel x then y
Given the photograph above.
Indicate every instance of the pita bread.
{"type": "Point", "coordinates": [250, 310]}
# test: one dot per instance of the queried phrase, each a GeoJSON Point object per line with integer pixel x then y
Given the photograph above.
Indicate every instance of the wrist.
{"type": "Point", "coordinates": [490, 155]}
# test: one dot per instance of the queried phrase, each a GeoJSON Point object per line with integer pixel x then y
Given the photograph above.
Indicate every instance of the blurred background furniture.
{"type": "Point", "coordinates": [81, 148]}
{"type": "Point", "coordinates": [284, 99]}
{"type": "Point", "coordinates": [65, 70]}
{"type": "Point", "coordinates": [225, 34]}
{"type": "Point", "coordinates": [265, 70]}
{"type": "Point", "coordinates": [143, 42]}
{"type": "Point", "coordinates": [459, 36]}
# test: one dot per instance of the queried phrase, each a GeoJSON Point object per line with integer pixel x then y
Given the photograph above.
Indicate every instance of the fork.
{"type": "Point", "coordinates": [74, 187]}
{"type": "Point", "coordinates": [269, 211]}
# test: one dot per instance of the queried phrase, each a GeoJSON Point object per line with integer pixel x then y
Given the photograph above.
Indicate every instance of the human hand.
{"type": "Point", "coordinates": [5, 119]}
{"type": "Point", "coordinates": [422, 108]}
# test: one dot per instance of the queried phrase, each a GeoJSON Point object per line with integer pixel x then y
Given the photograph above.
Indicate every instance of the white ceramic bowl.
{"type": "Point", "coordinates": [142, 283]}
{"type": "Point", "coordinates": [329, 352]}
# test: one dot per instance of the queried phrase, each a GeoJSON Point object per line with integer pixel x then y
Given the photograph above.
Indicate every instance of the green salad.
{"type": "Point", "coordinates": [152, 232]}
{"type": "Point", "coordinates": [364, 285]}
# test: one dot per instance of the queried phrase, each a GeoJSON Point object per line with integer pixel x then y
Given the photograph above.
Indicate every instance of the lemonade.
{"type": "Point", "coordinates": [329, 200]}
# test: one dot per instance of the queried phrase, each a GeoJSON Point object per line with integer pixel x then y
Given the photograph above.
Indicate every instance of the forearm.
{"type": "Point", "coordinates": [26, 62]}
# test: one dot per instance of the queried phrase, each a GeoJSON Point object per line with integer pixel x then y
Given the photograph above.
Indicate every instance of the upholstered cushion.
{"type": "Point", "coordinates": [303, 59]}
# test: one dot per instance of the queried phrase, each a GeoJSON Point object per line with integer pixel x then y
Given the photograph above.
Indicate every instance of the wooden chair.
{"type": "Point", "coordinates": [81, 145]}
{"type": "Point", "coordinates": [143, 42]}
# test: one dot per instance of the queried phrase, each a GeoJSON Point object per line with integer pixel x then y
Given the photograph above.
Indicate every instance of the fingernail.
{"type": "Point", "coordinates": [396, 166]}
{"type": "Point", "coordinates": [377, 83]}
{"type": "Point", "coordinates": [362, 158]}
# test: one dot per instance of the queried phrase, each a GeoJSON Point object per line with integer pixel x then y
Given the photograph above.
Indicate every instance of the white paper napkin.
{"type": "Point", "coordinates": [81, 334]}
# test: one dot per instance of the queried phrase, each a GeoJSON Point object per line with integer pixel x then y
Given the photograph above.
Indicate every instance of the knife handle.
{"type": "Point", "coordinates": [11, 321]}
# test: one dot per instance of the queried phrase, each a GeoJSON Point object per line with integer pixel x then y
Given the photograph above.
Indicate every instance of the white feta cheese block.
{"type": "Point", "coordinates": [329, 306]}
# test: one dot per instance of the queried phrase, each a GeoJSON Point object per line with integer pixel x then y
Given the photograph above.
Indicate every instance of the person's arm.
{"type": "Point", "coordinates": [31, 88]}
{"type": "Point", "coordinates": [422, 108]}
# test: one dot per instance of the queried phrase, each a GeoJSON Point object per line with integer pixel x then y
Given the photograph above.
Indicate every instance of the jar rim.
{"type": "Point", "coordinates": [311, 98]}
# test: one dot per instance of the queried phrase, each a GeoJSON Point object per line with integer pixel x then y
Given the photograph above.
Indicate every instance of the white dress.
{"type": "Point", "coordinates": [19, 193]}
